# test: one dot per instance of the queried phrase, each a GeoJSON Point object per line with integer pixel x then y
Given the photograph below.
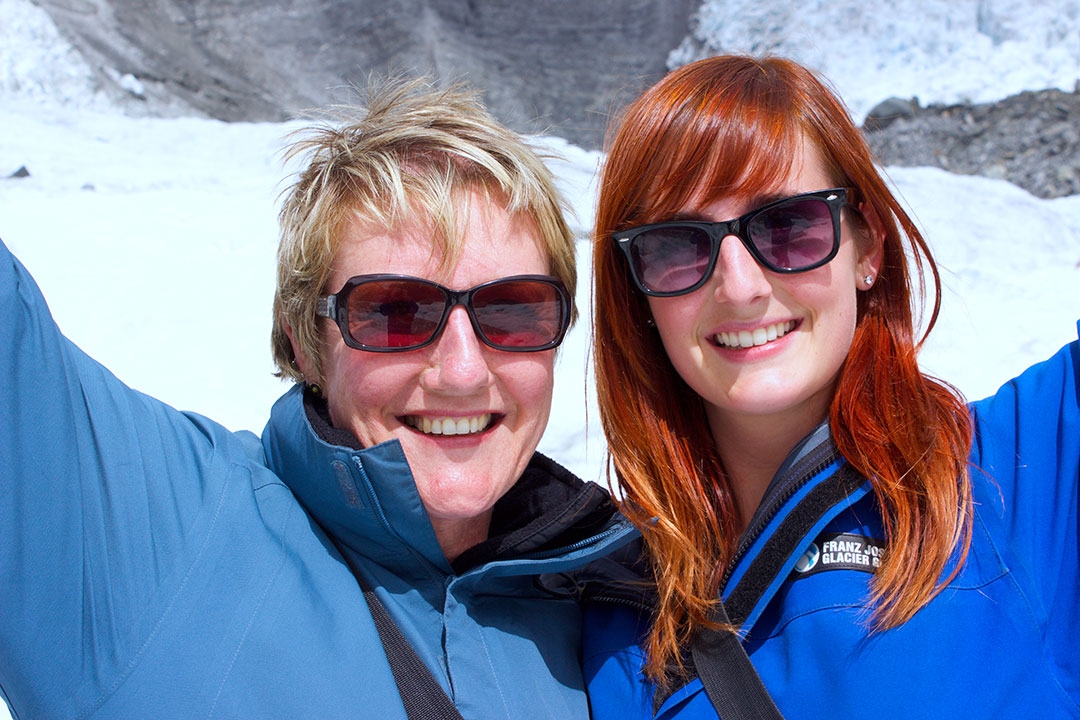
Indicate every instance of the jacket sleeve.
{"type": "Point", "coordinates": [1026, 459]}
{"type": "Point", "coordinates": [104, 494]}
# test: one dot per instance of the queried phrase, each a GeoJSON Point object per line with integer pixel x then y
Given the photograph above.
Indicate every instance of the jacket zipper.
{"type": "Point", "coordinates": [820, 457]}
{"type": "Point", "coordinates": [618, 527]}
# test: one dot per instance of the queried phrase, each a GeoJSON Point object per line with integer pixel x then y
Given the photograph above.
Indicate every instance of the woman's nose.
{"type": "Point", "coordinates": [459, 359]}
{"type": "Point", "coordinates": [738, 278]}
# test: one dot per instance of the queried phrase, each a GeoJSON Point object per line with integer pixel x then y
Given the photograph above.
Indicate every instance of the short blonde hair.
{"type": "Point", "coordinates": [402, 160]}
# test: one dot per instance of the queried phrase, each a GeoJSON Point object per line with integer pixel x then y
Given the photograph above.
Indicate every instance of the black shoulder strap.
{"type": "Point", "coordinates": [787, 538]}
{"type": "Point", "coordinates": [421, 694]}
{"type": "Point", "coordinates": [730, 679]}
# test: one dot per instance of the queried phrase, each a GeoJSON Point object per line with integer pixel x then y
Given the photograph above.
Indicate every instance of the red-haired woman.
{"type": "Point", "coordinates": [881, 548]}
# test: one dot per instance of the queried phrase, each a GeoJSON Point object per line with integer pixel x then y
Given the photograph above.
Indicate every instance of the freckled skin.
{"type": "Point", "coordinates": [459, 477]}
{"type": "Point", "coordinates": [768, 396]}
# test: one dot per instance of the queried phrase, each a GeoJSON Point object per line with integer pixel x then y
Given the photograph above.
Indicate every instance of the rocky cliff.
{"type": "Point", "coordinates": [1031, 139]}
{"type": "Point", "coordinates": [558, 65]}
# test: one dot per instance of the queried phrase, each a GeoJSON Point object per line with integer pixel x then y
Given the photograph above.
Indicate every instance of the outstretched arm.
{"type": "Point", "coordinates": [1027, 442]}
{"type": "Point", "coordinates": [103, 494]}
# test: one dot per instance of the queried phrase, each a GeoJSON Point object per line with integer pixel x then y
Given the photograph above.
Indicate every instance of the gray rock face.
{"type": "Point", "coordinates": [561, 66]}
{"type": "Point", "coordinates": [558, 65]}
{"type": "Point", "coordinates": [1031, 139]}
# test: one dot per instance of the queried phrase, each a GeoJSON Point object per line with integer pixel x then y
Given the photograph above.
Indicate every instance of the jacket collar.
{"type": "Point", "coordinates": [366, 499]}
{"type": "Point", "coordinates": [813, 486]}
{"type": "Point", "coordinates": [813, 464]}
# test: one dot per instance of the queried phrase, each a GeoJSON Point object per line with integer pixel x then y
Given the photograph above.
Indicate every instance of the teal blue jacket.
{"type": "Point", "coordinates": [155, 565]}
{"type": "Point", "coordinates": [1002, 640]}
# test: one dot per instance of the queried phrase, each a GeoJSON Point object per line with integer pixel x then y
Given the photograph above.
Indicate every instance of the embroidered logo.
{"type": "Point", "coordinates": [841, 551]}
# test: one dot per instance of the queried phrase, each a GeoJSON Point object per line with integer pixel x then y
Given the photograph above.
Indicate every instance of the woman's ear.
{"type": "Point", "coordinates": [872, 247]}
{"type": "Point", "coordinates": [307, 368]}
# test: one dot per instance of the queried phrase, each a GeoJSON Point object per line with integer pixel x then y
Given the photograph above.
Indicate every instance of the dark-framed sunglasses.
{"type": "Point", "coordinates": [790, 235]}
{"type": "Point", "coordinates": [395, 313]}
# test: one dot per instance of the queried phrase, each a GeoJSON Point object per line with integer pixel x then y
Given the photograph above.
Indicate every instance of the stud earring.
{"type": "Point", "coordinates": [316, 389]}
{"type": "Point", "coordinates": [869, 280]}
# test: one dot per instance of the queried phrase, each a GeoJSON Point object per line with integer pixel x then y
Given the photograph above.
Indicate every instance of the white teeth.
{"type": "Point", "coordinates": [759, 336]}
{"type": "Point", "coordinates": [450, 426]}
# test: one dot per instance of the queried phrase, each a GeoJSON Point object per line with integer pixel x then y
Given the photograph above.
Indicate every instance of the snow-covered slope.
{"type": "Point", "coordinates": [154, 239]}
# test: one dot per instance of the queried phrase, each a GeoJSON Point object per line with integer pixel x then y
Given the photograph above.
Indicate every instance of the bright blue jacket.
{"type": "Point", "coordinates": [155, 565]}
{"type": "Point", "coordinates": [1001, 641]}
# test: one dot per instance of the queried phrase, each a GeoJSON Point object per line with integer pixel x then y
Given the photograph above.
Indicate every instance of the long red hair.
{"type": "Point", "coordinates": [732, 125]}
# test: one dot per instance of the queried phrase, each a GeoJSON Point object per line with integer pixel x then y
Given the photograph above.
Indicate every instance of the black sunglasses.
{"type": "Point", "coordinates": [791, 235]}
{"type": "Point", "coordinates": [395, 313]}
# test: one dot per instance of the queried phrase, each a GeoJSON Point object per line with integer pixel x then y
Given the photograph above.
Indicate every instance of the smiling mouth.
{"type": "Point", "coordinates": [470, 425]}
{"type": "Point", "coordinates": [755, 337]}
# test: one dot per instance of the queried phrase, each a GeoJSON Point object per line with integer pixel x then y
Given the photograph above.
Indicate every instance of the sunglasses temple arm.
{"type": "Point", "coordinates": [326, 307]}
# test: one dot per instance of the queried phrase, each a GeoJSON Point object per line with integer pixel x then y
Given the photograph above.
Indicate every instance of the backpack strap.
{"type": "Point", "coordinates": [730, 679]}
{"type": "Point", "coordinates": [787, 538]}
{"type": "Point", "coordinates": [421, 694]}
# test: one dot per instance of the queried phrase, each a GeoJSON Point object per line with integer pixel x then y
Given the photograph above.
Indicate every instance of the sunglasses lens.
{"type": "Point", "coordinates": [670, 258]}
{"type": "Point", "coordinates": [394, 313]}
{"type": "Point", "coordinates": [519, 314]}
{"type": "Point", "coordinates": [404, 313]}
{"type": "Point", "coordinates": [794, 235]}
